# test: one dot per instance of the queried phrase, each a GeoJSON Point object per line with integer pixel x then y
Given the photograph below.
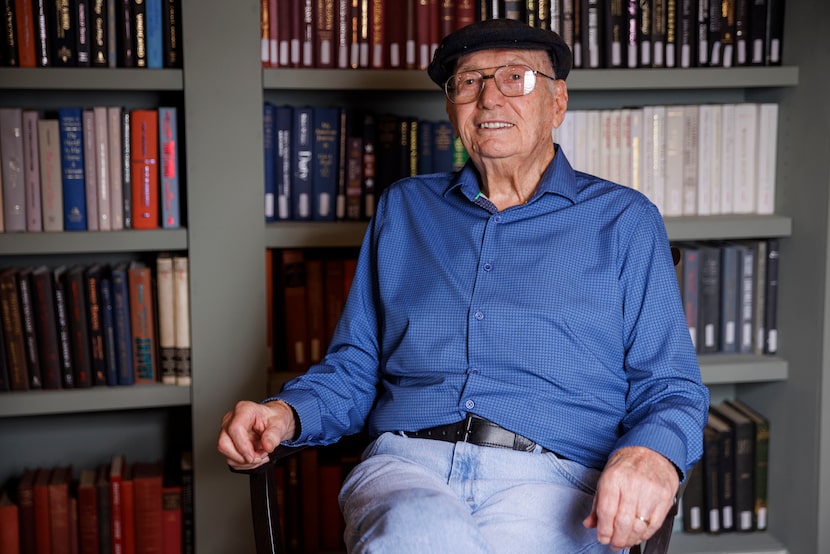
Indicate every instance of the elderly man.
{"type": "Point", "coordinates": [514, 339]}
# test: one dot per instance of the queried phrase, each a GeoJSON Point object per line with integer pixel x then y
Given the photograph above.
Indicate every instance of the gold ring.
{"type": "Point", "coordinates": [644, 520]}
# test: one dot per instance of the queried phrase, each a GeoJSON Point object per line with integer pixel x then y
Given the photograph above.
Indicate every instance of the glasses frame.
{"type": "Point", "coordinates": [492, 76]}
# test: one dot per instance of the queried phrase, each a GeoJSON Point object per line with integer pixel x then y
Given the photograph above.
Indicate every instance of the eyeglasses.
{"type": "Point", "coordinates": [465, 87]}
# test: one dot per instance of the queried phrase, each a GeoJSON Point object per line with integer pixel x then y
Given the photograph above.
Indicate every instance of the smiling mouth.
{"type": "Point", "coordinates": [494, 125]}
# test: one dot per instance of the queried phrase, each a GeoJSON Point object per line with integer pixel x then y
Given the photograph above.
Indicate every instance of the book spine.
{"type": "Point", "coordinates": [64, 34]}
{"type": "Point", "coordinates": [27, 317]}
{"type": "Point", "coordinates": [124, 34]}
{"type": "Point", "coordinates": [324, 24]}
{"type": "Point", "coordinates": [13, 177]}
{"type": "Point", "coordinates": [72, 169]}
{"type": "Point", "coordinates": [51, 185]}
{"type": "Point", "coordinates": [76, 308]}
{"type": "Point", "coordinates": [144, 168]}
{"type": "Point", "coordinates": [166, 319]}
{"type": "Point", "coordinates": [46, 326]}
{"type": "Point", "coordinates": [270, 159]}
{"type": "Point", "coordinates": [377, 34]}
{"type": "Point", "coordinates": [758, 32]}
{"type": "Point", "coordinates": [771, 297]}
{"type": "Point", "coordinates": [82, 46]}
{"type": "Point", "coordinates": [324, 168]}
{"type": "Point", "coordinates": [126, 168]}
{"type": "Point", "coordinates": [24, 17]}
{"type": "Point", "coordinates": [142, 324]}
{"type": "Point", "coordinates": [31, 171]}
{"type": "Point", "coordinates": [303, 155]}
{"type": "Point", "coordinates": [139, 26]}
{"type": "Point", "coordinates": [671, 33]}
{"type": "Point", "coordinates": [90, 169]}
{"type": "Point", "coordinates": [181, 285]}
{"type": "Point", "coordinates": [92, 280]}
{"type": "Point", "coordinates": [99, 26]}
{"type": "Point", "coordinates": [746, 298]}
{"type": "Point", "coordinates": [108, 324]}
{"type": "Point", "coordinates": [354, 174]}
{"type": "Point", "coordinates": [116, 179]}
{"type": "Point", "coordinates": [62, 324]}
{"type": "Point", "coordinates": [169, 170]}
{"type": "Point", "coordinates": [13, 332]}
{"type": "Point", "coordinates": [283, 121]}
{"type": "Point", "coordinates": [155, 56]}
{"type": "Point", "coordinates": [102, 171]}
{"type": "Point", "coordinates": [123, 333]}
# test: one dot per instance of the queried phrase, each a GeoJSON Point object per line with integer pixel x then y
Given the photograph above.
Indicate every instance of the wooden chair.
{"type": "Point", "coordinates": [268, 533]}
{"type": "Point", "coordinates": [266, 516]}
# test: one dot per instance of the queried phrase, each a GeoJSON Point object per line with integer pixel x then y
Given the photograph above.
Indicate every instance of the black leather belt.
{"type": "Point", "coordinates": [479, 431]}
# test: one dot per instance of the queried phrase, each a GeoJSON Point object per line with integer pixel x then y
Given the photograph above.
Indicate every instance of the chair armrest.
{"type": "Point", "coordinates": [265, 510]}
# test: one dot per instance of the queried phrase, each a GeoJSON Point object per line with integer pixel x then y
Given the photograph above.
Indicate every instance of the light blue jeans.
{"type": "Point", "coordinates": [424, 496]}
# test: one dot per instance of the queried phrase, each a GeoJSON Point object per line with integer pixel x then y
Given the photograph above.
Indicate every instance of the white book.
{"type": "Point", "coordinates": [647, 149]}
{"type": "Point", "coordinates": [102, 162]}
{"type": "Point", "coordinates": [90, 171]}
{"type": "Point", "coordinates": [615, 153]}
{"type": "Point", "coordinates": [593, 137]}
{"type": "Point", "coordinates": [565, 136]}
{"type": "Point", "coordinates": [625, 164]}
{"type": "Point", "coordinates": [181, 283]}
{"type": "Point", "coordinates": [705, 147]}
{"type": "Point", "coordinates": [51, 187]}
{"type": "Point", "coordinates": [690, 159]}
{"type": "Point", "coordinates": [674, 161]}
{"type": "Point", "coordinates": [637, 148]}
{"type": "Point", "coordinates": [579, 155]}
{"type": "Point", "coordinates": [746, 146]}
{"type": "Point", "coordinates": [767, 156]}
{"type": "Point", "coordinates": [31, 171]}
{"type": "Point", "coordinates": [116, 164]}
{"type": "Point", "coordinates": [727, 159]}
{"type": "Point", "coordinates": [165, 297]}
{"type": "Point", "coordinates": [606, 144]}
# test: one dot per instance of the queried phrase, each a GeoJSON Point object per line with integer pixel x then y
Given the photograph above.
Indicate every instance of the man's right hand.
{"type": "Point", "coordinates": [251, 431]}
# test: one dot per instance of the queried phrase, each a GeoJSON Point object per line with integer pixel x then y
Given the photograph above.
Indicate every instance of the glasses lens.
{"type": "Point", "coordinates": [515, 80]}
{"type": "Point", "coordinates": [464, 87]}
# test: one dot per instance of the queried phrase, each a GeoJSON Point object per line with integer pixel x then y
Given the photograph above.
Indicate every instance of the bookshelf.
{"type": "Point", "coordinates": [221, 90]}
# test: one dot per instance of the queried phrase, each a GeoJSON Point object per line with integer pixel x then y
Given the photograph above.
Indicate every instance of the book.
{"type": "Point", "coordinates": [369, 167]}
{"type": "Point", "coordinates": [122, 324]}
{"type": "Point", "coordinates": [773, 253]}
{"type": "Point", "coordinates": [761, 461]}
{"type": "Point", "coordinates": [9, 524]}
{"type": "Point", "coordinates": [745, 158]}
{"type": "Point", "coordinates": [115, 151]}
{"type": "Point", "coordinates": [166, 318]}
{"type": "Point", "coordinates": [59, 511]}
{"type": "Point", "coordinates": [75, 288]}
{"type": "Point", "coordinates": [292, 287]}
{"type": "Point", "coordinates": [70, 121]}
{"type": "Point", "coordinates": [126, 167]}
{"type": "Point", "coordinates": [727, 159]}
{"type": "Point", "coordinates": [659, 21]}
{"type": "Point", "coordinates": [324, 37]}
{"type": "Point", "coordinates": [147, 487]}
{"type": "Point", "coordinates": [692, 503]}
{"type": "Point", "coordinates": [45, 31]}
{"type": "Point", "coordinates": [51, 181]}
{"type": "Point", "coordinates": [719, 463]}
{"type": "Point", "coordinates": [709, 295]}
{"type": "Point", "coordinates": [270, 159]}
{"type": "Point", "coordinates": [690, 167]}
{"type": "Point", "coordinates": [63, 31]}
{"type": "Point", "coordinates": [774, 32]}
{"type": "Point", "coordinates": [13, 178]}
{"type": "Point", "coordinates": [315, 310]}
{"type": "Point", "coordinates": [84, 33]}
{"type": "Point", "coordinates": [92, 275]}
{"type": "Point", "coordinates": [302, 151]}
{"type": "Point", "coordinates": [672, 33]}
{"type": "Point", "coordinates": [87, 495]}
{"type": "Point", "coordinates": [743, 484]}
{"type": "Point", "coordinates": [767, 155]}
{"type": "Point", "coordinates": [153, 33]}
{"type": "Point", "coordinates": [99, 30]}
{"type": "Point", "coordinates": [171, 514]}
{"type": "Point", "coordinates": [169, 170]}
{"type": "Point", "coordinates": [27, 318]}
{"type": "Point", "coordinates": [31, 171]}
{"type": "Point", "coordinates": [117, 466]}
{"type": "Point", "coordinates": [759, 298]}
{"type": "Point", "coordinates": [64, 333]}
{"type": "Point", "coordinates": [746, 297]}
{"type": "Point", "coordinates": [729, 297]}
{"type": "Point", "coordinates": [283, 123]}
{"type": "Point", "coordinates": [171, 34]}
{"type": "Point", "coordinates": [186, 472]}
{"type": "Point", "coordinates": [675, 133]}
{"type": "Point", "coordinates": [13, 335]}
{"type": "Point", "coordinates": [26, 509]}
{"type": "Point", "coordinates": [124, 39]}
{"type": "Point", "coordinates": [690, 290]}
{"type": "Point", "coordinates": [90, 169]}
{"type": "Point", "coordinates": [25, 33]}
{"type": "Point", "coordinates": [325, 163]}
{"type": "Point", "coordinates": [181, 294]}
{"type": "Point", "coordinates": [128, 508]}
{"type": "Point", "coordinates": [142, 323]}
{"type": "Point", "coordinates": [139, 32]}
{"type": "Point", "coordinates": [102, 489]}
{"type": "Point", "coordinates": [144, 170]}
{"type": "Point", "coordinates": [615, 38]}
{"type": "Point", "coordinates": [43, 524]}
{"type": "Point", "coordinates": [108, 323]}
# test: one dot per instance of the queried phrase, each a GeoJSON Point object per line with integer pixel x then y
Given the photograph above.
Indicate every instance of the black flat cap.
{"type": "Point", "coordinates": [493, 34]}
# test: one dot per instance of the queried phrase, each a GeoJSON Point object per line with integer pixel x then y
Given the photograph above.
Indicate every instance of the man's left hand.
{"type": "Point", "coordinates": [634, 494]}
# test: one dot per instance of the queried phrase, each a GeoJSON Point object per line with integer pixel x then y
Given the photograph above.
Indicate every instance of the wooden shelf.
{"type": "Point", "coordinates": [79, 242]}
{"type": "Point", "coordinates": [94, 399]}
{"type": "Point", "coordinates": [578, 80]}
{"type": "Point", "coordinates": [90, 78]}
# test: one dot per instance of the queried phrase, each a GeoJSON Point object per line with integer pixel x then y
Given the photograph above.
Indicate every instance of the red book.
{"type": "Point", "coordinates": [25, 27]}
{"type": "Point", "coordinates": [128, 509]}
{"type": "Point", "coordinates": [377, 34]}
{"type": "Point", "coordinates": [116, 475]}
{"type": "Point", "coordinates": [43, 528]}
{"type": "Point", "coordinates": [171, 523]}
{"type": "Point", "coordinates": [142, 323]}
{"type": "Point", "coordinates": [292, 280]}
{"type": "Point", "coordinates": [9, 524]}
{"type": "Point", "coordinates": [147, 483]}
{"type": "Point", "coordinates": [446, 17]}
{"type": "Point", "coordinates": [58, 493]}
{"type": "Point", "coordinates": [87, 513]}
{"type": "Point", "coordinates": [315, 298]}
{"type": "Point", "coordinates": [410, 34]}
{"type": "Point", "coordinates": [331, 532]}
{"type": "Point", "coordinates": [423, 29]}
{"type": "Point", "coordinates": [26, 509]}
{"type": "Point", "coordinates": [325, 22]}
{"type": "Point", "coordinates": [465, 13]}
{"type": "Point", "coordinates": [144, 168]}
{"type": "Point", "coordinates": [335, 296]}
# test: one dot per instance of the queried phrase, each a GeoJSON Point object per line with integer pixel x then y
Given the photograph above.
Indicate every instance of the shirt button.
{"type": "Point", "coordinates": [479, 315]}
{"type": "Point", "coordinates": [474, 371]}
{"type": "Point", "coordinates": [497, 219]}
{"type": "Point", "coordinates": [469, 404]}
{"type": "Point", "coordinates": [488, 267]}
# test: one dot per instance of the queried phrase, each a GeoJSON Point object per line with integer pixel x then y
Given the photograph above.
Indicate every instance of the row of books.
{"type": "Point", "coordinates": [103, 168]}
{"type": "Point", "coordinates": [114, 507]}
{"type": "Point", "coordinates": [330, 163]}
{"type": "Point", "coordinates": [693, 160]}
{"type": "Point", "coordinates": [727, 489]}
{"type": "Point", "coordinates": [91, 33]}
{"type": "Point", "coordinates": [380, 34]}
{"type": "Point", "coordinates": [95, 325]}
{"type": "Point", "coordinates": [307, 290]}
{"type": "Point", "coordinates": [730, 295]}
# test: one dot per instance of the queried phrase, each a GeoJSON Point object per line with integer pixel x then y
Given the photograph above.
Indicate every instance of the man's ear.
{"type": "Point", "coordinates": [560, 102]}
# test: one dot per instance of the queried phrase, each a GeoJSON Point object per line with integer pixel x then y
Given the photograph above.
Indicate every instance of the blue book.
{"type": "Point", "coordinates": [326, 167]}
{"type": "Point", "coordinates": [746, 295]}
{"type": "Point", "coordinates": [426, 133]}
{"type": "Point", "coordinates": [283, 124]}
{"type": "Point", "coordinates": [443, 147]}
{"type": "Point", "coordinates": [729, 322]}
{"type": "Point", "coordinates": [155, 58]}
{"type": "Point", "coordinates": [122, 326]}
{"type": "Point", "coordinates": [70, 125]}
{"type": "Point", "coordinates": [169, 154]}
{"type": "Point", "coordinates": [302, 152]}
{"type": "Point", "coordinates": [270, 157]}
{"type": "Point", "coordinates": [108, 320]}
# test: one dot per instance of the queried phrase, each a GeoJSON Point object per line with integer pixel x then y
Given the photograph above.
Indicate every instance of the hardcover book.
{"type": "Point", "coordinates": [13, 331]}
{"type": "Point", "coordinates": [761, 461]}
{"type": "Point", "coordinates": [302, 150]}
{"type": "Point", "coordinates": [166, 318]}
{"type": "Point", "coordinates": [70, 121]}
{"type": "Point", "coordinates": [75, 288]}
{"type": "Point", "coordinates": [743, 484]}
{"type": "Point", "coordinates": [92, 282]}
{"type": "Point", "coordinates": [144, 168]}
{"type": "Point", "coordinates": [51, 184]}
{"type": "Point", "coordinates": [31, 171]}
{"type": "Point", "coordinates": [64, 333]}
{"type": "Point", "coordinates": [122, 325]}
{"type": "Point", "coordinates": [12, 178]}
{"type": "Point", "coordinates": [181, 294]}
{"type": "Point", "coordinates": [142, 323]}
{"type": "Point", "coordinates": [169, 152]}
{"type": "Point", "coordinates": [324, 169]}
{"type": "Point", "coordinates": [27, 316]}
{"type": "Point", "coordinates": [90, 169]}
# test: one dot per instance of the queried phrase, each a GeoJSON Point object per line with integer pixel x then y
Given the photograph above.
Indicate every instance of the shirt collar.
{"type": "Point", "coordinates": [559, 178]}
